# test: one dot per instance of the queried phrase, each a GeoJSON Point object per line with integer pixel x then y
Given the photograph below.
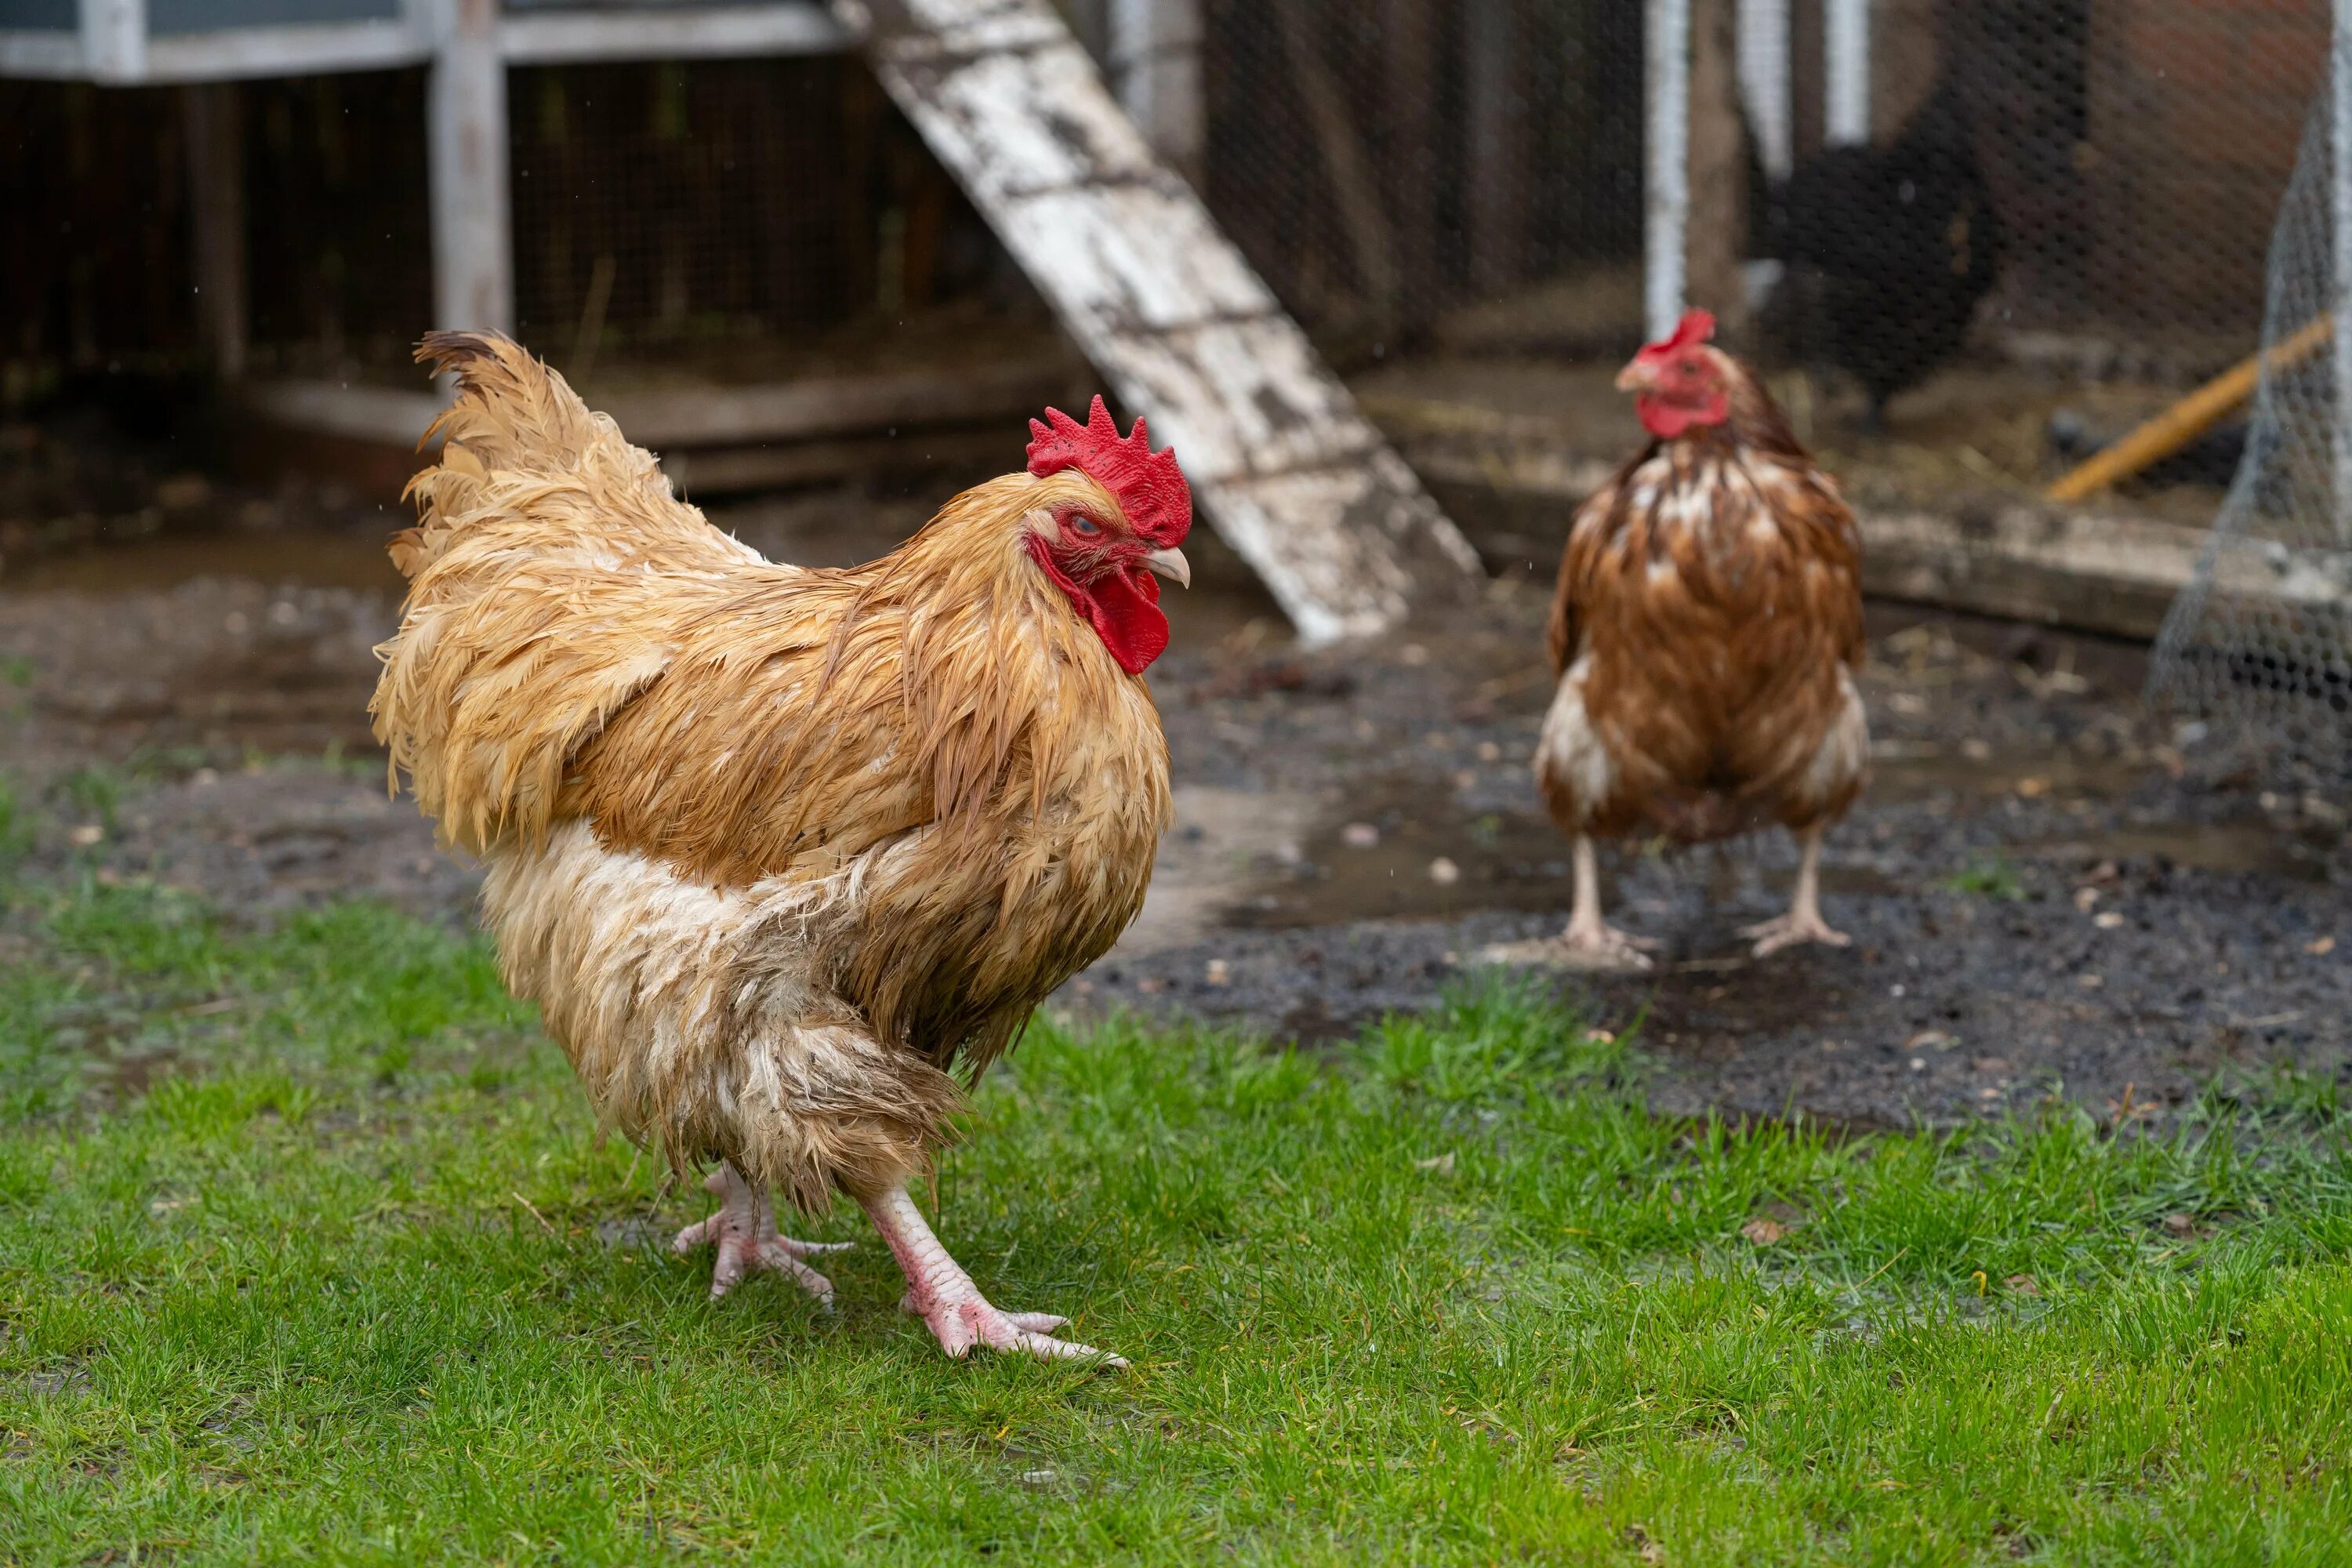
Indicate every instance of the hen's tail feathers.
{"type": "Point", "coordinates": [513, 417]}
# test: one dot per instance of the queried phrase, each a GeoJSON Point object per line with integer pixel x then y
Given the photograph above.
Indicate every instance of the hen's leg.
{"type": "Point", "coordinates": [1588, 936]}
{"type": "Point", "coordinates": [940, 1293]}
{"type": "Point", "coordinates": [744, 1233]}
{"type": "Point", "coordinates": [1803, 921]}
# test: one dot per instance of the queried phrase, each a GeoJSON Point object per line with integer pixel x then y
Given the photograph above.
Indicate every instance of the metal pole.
{"type": "Point", "coordinates": [1846, 50]}
{"type": "Point", "coordinates": [473, 248]}
{"type": "Point", "coordinates": [114, 39]}
{"type": "Point", "coordinates": [2339, 193]}
{"type": "Point", "coordinates": [1666, 40]}
{"type": "Point", "coordinates": [1764, 82]}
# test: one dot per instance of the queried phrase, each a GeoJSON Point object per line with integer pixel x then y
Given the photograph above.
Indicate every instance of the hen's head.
{"type": "Point", "coordinates": [1110, 511]}
{"type": "Point", "coordinates": [1680, 382]}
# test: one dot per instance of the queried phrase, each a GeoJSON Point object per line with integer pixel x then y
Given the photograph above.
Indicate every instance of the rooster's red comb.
{"type": "Point", "coordinates": [1696, 328]}
{"type": "Point", "coordinates": [1151, 487]}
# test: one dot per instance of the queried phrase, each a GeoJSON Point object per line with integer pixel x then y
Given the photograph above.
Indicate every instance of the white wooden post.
{"type": "Point", "coordinates": [473, 247]}
{"type": "Point", "coordinates": [1764, 82]}
{"type": "Point", "coordinates": [1845, 50]}
{"type": "Point", "coordinates": [1155, 68]}
{"type": "Point", "coordinates": [114, 39]}
{"type": "Point", "coordinates": [1666, 200]}
{"type": "Point", "coordinates": [2339, 191]}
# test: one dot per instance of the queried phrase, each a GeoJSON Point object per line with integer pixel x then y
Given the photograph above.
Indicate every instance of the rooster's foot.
{"type": "Point", "coordinates": [940, 1293]}
{"type": "Point", "coordinates": [960, 1320]}
{"type": "Point", "coordinates": [1789, 930]}
{"type": "Point", "coordinates": [743, 1232]}
{"type": "Point", "coordinates": [1602, 949]}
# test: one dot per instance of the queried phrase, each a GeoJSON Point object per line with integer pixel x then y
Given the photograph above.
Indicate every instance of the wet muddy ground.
{"type": "Point", "coordinates": [2046, 889]}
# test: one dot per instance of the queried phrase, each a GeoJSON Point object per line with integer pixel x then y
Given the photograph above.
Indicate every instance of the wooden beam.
{"type": "Point", "coordinates": [671, 33]}
{"type": "Point", "coordinates": [2094, 572]}
{"type": "Point", "coordinates": [702, 417]}
{"type": "Point", "coordinates": [473, 242]}
{"type": "Point", "coordinates": [1282, 464]}
{"type": "Point", "coordinates": [216, 208]}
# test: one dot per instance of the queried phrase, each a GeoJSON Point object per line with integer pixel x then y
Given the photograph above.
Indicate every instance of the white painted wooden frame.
{"type": "Point", "coordinates": [114, 45]}
{"type": "Point", "coordinates": [1765, 83]}
{"type": "Point", "coordinates": [1665, 46]}
{"type": "Point", "coordinates": [1845, 51]}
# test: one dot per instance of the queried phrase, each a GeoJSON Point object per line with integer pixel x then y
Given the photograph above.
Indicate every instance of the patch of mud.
{"type": "Point", "coordinates": [2045, 890]}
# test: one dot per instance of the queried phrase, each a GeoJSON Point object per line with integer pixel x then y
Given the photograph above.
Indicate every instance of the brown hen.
{"type": "Point", "coordinates": [1706, 637]}
{"type": "Point", "coordinates": [782, 853]}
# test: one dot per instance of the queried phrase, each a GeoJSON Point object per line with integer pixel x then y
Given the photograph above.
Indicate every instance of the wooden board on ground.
{"type": "Point", "coordinates": [1285, 467]}
{"type": "Point", "coordinates": [2087, 570]}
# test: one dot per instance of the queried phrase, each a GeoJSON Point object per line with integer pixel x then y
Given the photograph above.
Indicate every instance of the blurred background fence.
{"type": "Point", "coordinates": [1972, 241]}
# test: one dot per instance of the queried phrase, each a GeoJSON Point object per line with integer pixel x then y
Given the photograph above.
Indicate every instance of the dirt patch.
{"type": "Point", "coordinates": [2045, 890]}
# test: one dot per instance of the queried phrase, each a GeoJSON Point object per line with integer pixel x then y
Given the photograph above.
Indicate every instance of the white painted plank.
{"type": "Point", "coordinates": [1282, 465]}
{"type": "Point", "coordinates": [671, 33]}
{"type": "Point", "coordinates": [114, 39]}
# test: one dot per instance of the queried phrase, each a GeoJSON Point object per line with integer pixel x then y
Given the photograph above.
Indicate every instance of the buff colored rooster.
{"type": "Point", "coordinates": [779, 852]}
{"type": "Point", "coordinates": [1705, 635]}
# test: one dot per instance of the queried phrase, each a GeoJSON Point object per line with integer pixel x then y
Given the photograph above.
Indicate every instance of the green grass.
{"type": "Point", "coordinates": [1994, 879]}
{"type": "Point", "coordinates": [309, 1252]}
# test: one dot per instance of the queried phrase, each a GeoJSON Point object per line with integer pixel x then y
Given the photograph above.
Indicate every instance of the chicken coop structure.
{"type": "Point", "coordinates": [1973, 243]}
{"type": "Point", "coordinates": [1121, 248]}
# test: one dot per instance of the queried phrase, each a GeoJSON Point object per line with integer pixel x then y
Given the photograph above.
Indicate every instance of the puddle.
{"type": "Point", "coordinates": [1908, 771]}
{"type": "Point", "coordinates": [2257, 847]}
{"type": "Point", "coordinates": [1424, 857]}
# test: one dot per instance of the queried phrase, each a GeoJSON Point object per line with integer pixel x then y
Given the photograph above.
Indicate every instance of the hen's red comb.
{"type": "Point", "coordinates": [1696, 328]}
{"type": "Point", "coordinates": [1151, 487]}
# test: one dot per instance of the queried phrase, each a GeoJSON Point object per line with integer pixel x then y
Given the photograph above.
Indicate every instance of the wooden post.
{"type": "Point", "coordinates": [1410, 34]}
{"type": "Point", "coordinates": [1717, 227]}
{"type": "Point", "coordinates": [114, 39]}
{"type": "Point", "coordinates": [216, 208]}
{"type": "Point", "coordinates": [1493, 48]}
{"type": "Point", "coordinates": [1845, 52]}
{"type": "Point", "coordinates": [1155, 68]}
{"type": "Point", "coordinates": [1665, 43]}
{"type": "Point", "coordinates": [1764, 80]}
{"type": "Point", "coordinates": [473, 246]}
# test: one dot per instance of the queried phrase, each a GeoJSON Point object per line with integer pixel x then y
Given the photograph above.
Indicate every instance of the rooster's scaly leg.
{"type": "Point", "coordinates": [940, 1293]}
{"type": "Point", "coordinates": [1589, 937]}
{"type": "Point", "coordinates": [744, 1234]}
{"type": "Point", "coordinates": [1803, 922]}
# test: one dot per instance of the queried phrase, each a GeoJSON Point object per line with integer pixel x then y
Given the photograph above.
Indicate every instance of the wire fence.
{"type": "Point", "coordinates": [2257, 654]}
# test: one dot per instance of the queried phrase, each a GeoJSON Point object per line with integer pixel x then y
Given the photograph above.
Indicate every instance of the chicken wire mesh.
{"type": "Point", "coordinates": [1991, 237]}
{"type": "Point", "coordinates": [2257, 652]}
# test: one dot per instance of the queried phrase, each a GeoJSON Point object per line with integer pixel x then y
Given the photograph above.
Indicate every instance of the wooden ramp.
{"type": "Point", "coordinates": [1285, 467]}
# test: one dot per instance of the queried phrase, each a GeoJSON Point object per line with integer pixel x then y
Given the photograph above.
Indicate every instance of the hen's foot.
{"type": "Point", "coordinates": [1601, 949]}
{"type": "Point", "coordinates": [940, 1293]}
{"type": "Point", "coordinates": [743, 1232]}
{"type": "Point", "coordinates": [1789, 930]}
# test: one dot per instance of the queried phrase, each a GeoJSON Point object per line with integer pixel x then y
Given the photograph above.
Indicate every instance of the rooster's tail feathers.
{"type": "Point", "coordinates": [513, 417]}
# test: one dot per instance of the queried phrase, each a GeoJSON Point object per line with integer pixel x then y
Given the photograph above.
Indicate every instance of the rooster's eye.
{"type": "Point", "coordinates": [1084, 526]}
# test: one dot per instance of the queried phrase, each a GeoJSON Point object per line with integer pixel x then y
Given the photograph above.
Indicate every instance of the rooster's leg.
{"type": "Point", "coordinates": [744, 1234]}
{"type": "Point", "coordinates": [1803, 922]}
{"type": "Point", "coordinates": [1590, 939]}
{"type": "Point", "coordinates": [940, 1293]}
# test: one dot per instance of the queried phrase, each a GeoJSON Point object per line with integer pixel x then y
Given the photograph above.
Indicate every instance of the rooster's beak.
{"type": "Point", "coordinates": [1170, 564]}
{"type": "Point", "coordinates": [1636, 377]}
